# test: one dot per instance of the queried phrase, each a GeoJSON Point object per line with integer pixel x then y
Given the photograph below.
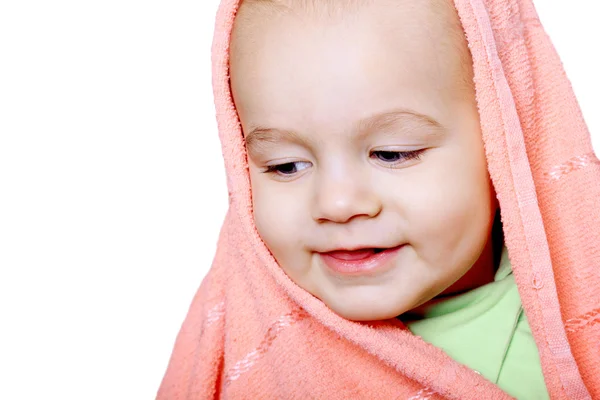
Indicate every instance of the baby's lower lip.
{"type": "Point", "coordinates": [359, 261]}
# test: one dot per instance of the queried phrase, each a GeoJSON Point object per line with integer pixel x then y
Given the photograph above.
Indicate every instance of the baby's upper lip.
{"type": "Point", "coordinates": [355, 248]}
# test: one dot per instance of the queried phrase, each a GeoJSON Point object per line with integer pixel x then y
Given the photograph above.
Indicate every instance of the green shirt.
{"type": "Point", "coordinates": [487, 330]}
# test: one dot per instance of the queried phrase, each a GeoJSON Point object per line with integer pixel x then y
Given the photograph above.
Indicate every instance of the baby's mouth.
{"type": "Point", "coordinates": [360, 261]}
{"type": "Point", "coordinates": [354, 255]}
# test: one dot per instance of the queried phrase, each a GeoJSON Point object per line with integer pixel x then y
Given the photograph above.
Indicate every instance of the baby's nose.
{"type": "Point", "coordinates": [342, 200]}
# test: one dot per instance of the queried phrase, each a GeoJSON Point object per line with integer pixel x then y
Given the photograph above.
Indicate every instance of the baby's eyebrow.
{"type": "Point", "coordinates": [411, 120]}
{"type": "Point", "coordinates": [271, 135]}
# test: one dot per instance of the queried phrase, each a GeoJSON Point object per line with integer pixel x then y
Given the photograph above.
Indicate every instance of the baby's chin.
{"type": "Point", "coordinates": [370, 303]}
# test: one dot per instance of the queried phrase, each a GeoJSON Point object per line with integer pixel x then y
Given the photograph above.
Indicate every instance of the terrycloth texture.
{"type": "Point", "coordinates": [253, 334]}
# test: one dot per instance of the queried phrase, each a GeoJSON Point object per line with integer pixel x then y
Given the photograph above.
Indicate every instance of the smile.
{"type": "Point", "coordinates": [360, 261]}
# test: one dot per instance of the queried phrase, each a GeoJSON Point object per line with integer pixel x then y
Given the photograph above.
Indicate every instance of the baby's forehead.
{"type": "Point", "coordinates": [425, 26]}
{"type": "Point", "coordinates": [307, 72]}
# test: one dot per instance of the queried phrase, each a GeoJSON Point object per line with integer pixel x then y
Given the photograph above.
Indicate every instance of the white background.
{"type": "Point", "coordinates": [112, 188]}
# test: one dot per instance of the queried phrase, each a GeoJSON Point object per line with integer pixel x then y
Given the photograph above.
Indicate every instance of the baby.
{"type": "Point", "coordinates": [368, 177]}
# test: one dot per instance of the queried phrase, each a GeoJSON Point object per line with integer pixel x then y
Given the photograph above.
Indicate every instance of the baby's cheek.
{"type": "Point", "coordinates": [447, 216]}
{"type": "Point", "coordinates": [269, 223]}
{"type": "Point", "coordinates": [278, 221]}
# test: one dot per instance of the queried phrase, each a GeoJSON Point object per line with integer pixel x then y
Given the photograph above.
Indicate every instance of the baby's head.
{"type": "Point", "coordinates": [363, 135]}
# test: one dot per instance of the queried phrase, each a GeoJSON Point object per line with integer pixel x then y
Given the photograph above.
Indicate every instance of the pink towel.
{"type": "Point", "coordinates": [251, 333]}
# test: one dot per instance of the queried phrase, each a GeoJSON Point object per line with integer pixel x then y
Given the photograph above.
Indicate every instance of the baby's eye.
{"type": "Point", "coordinates": [394, 157]}
{"type": "Point", "coordinates": [288, 168]}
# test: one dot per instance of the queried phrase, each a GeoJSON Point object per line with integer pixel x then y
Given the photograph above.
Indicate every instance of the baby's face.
{"type": "Point", "coordinates": [361, 136]}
